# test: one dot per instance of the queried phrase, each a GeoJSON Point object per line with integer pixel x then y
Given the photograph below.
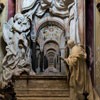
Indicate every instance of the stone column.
{"type": "Point", "coordinates": [34, 56]}
{"type": "Point", "coordinates": [73, 22]}
{"type": "Point", "coordinates": [81, 19]}
{"type": "Point", "coordinates": [41, 61]}
{"type": "Point", "coordinates": [18, 5]}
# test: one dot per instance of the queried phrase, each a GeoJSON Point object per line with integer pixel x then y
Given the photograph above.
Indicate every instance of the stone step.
{"type": "Point", "coordinates": [41, 82]}
{"type": "Point", "coordinates": [41, 88]}
{"type": "Point", "coordinates": [42, 98]}
{"type": "Point", "coordinates": [43, 92]}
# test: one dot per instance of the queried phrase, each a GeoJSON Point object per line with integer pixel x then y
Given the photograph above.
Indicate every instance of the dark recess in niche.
{"type": "Point", "coordinates": [90, 37]}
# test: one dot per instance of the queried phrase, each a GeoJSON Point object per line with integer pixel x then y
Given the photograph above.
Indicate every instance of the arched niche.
{"type": "Point", "coordinates": [50, 29]}
{"type": "Point", "coordinates": [51, 52]}
{"type": "Point", "coordinates": [50, 36]}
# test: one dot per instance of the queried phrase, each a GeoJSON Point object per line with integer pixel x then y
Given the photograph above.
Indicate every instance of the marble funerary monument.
{"type": "Point", "coordinates": [36, 40]}
{"type": "Point", "coordinates": [37, 37]}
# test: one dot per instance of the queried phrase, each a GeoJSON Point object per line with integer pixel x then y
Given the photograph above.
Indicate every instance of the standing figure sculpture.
{"type": "Point", "coordinates": [17, 58]}
{"type": "Point", "coordinates": [80, 81]}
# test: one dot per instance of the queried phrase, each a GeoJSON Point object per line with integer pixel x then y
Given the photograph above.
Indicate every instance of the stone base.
{"type": "Point", "coordinates": [42, 88]}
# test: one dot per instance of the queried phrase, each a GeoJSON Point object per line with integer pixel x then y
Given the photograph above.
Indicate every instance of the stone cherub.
{"type": "Point", "coordinates": [17, 58]}
{"type": "Point", "coordinates": [80, 81]}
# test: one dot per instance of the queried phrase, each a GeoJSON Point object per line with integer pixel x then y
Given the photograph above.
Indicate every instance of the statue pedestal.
{"type": "Point", "coordinates": [41, 88]}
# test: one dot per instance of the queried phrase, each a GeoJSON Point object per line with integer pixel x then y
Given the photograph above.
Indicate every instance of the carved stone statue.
{"type": "Point", "coordinates": [17, 59]}
{"type": "Point", "coordinates": [39, 7]}
{"type": "Point", "coordinates": [80, 81]}
{"type": "Point", "coordinates": [41, 22]}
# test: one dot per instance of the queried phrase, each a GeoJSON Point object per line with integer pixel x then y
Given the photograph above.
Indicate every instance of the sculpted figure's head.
{"type": "Point", "coordinates": [70, 43]}
{"type": "Point", "coordinates": [21, 23]}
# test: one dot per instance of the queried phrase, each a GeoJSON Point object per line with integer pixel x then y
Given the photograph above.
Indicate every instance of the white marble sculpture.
{"type": "Point", "coordinates": [54, 8]}
{"type": "Point", "coordinates": [17, 58]}
{"type": "Point", "coordinates": [25, 27]}
{"type": "Point", "coordinates": [39, 7]}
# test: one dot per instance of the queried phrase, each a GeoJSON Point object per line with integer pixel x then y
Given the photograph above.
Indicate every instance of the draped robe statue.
{"type": "Point", "coordinates": [80, 81]}
{"type": "Point", "coordinates": [39, 7]}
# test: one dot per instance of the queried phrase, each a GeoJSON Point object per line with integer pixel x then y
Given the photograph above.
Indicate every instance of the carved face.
{"type": "Point", "coordinates": [21, 24]}
{"type": "Point", "coordinates": [70, 43]}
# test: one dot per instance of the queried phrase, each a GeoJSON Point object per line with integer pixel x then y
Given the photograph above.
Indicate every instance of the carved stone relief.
{"type": "Point", "coordinates": [38, 35]}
